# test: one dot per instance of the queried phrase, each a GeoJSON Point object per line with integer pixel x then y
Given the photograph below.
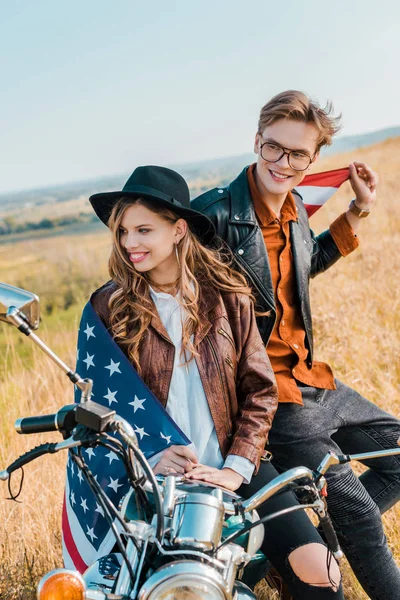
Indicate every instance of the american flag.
{"type": "Point", "coordinates": [317, 188]}
{"type": "Point", "coordinates": [86, 533]}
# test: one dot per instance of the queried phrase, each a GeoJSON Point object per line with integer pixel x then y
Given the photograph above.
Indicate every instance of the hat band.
{"type": "Point", "coordinates": [148, 191]}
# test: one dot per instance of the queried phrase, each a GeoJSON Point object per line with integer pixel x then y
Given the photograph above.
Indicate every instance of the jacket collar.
{"type": "Point", "coordinates": [242, 208]}
{"type": "Point", "coordinates": [209, 299]}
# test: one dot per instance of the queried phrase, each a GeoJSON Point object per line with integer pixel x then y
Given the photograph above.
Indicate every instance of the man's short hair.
{"type": "Point", "coordinates": [296, 105]}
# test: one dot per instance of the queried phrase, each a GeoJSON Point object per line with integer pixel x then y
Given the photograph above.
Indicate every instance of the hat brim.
{"type": "Point", "coordinates": [199, 224]}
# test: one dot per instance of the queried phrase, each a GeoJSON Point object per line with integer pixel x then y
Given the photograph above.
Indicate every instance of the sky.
{"type": "Point", "coordinates": [92, 87]}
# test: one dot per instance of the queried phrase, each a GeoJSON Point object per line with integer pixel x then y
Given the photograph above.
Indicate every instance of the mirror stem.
{"type": "Point", "coordinates": [85, 385]}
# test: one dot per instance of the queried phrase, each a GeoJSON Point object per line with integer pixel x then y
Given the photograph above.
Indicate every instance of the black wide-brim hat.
{"type": "Point", "coordinates": [161, 184]}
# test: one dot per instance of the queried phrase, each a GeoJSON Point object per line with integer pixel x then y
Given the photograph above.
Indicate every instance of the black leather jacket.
{"type": "Point", "coordinates": [232, 212]}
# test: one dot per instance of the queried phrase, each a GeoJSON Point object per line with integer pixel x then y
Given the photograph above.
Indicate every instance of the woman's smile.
{"type": "Point", "coordinates": [137, 257]}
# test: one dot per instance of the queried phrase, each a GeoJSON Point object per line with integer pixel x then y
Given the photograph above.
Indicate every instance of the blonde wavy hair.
{"type": "Point", "coordinates": [131, 306]}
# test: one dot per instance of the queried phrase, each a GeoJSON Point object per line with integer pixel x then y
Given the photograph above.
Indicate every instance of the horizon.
{"type": "Point", "coordinates": [90, 88]}
{"type": "Point", "coordinates": [93, 178]}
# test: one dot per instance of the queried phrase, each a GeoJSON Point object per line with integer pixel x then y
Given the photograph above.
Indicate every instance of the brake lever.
{"type": "Point", "coordinates": [49, 448]}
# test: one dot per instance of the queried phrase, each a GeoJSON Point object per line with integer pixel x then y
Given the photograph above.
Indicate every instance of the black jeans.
{"type": "Point", "coordinates": [343, 421]}
{"type": "Point", "coordinates": [286, 533]}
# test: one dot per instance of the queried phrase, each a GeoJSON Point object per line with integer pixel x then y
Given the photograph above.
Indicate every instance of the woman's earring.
{"type": "Point", "coordinates": [177, 254]}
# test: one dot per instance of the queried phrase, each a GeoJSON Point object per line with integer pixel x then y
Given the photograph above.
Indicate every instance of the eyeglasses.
{"type": "Point", "coordinates": [298, 160]}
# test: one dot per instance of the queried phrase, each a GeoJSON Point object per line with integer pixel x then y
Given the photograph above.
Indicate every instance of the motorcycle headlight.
{"type": "Point", "coordinates": [61, 584]}
{"type": "Point", "coordinates": [184, 580]}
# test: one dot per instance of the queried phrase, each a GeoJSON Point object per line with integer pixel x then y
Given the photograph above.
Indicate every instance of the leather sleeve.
{"type": "Point", "coordinates": [255, 388]}
{"type": "Point", "coordinates": [100, 299]}
{"type": "Point", "coordinates": [325, 252]}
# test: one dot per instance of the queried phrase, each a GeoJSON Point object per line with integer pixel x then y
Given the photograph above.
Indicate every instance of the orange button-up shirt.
{"type": "Point", "coordinates": [287, 345]}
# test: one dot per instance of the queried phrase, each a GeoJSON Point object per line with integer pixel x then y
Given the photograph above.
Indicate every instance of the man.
{"type": "Point", "coordinates": [263, 220]}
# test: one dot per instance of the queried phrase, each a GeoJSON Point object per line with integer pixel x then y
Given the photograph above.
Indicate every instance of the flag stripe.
{"type": "Point", "coordinates": [68, 562]}
{"type": "Point", "coordinates": [69, 542]}
{"type": "Point", "coordinates": [311, 209]}
{"type": "Point", "coordinates": [316, 189]}
{"type": "Point", "coordinates": [316, 196]}
{"type": "Point", "coordinates": [333, 178]}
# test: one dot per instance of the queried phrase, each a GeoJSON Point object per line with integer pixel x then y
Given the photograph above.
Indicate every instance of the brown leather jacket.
{"type": "Point", "coordinates": [237, 377]}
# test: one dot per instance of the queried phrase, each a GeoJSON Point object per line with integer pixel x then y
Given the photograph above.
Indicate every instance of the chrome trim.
{"type": "Point", "coordinates": [197, 521]}
{"type": "Point", "coordinates": [186, 569]}
{"type": "Point", "coordinates": [17, 425]}
{"type": "Point", "coordinates": [277, 484]}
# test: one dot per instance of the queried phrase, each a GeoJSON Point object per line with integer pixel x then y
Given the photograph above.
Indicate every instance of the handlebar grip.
{"type": "Point", "coordinates": [41, 424]}
{"type": "Point", "coordinates": [331, 537]}
{"type": "Point", "coordinates": [63, 420]}
{"type": "Point", "coordinates": [31, 455]}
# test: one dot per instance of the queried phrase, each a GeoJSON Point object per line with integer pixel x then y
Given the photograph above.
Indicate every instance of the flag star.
{"type": "Point", "coordinates": [114, 485]}
{"type": "Point", "coordinates": [72, 469]}
{"type": "Point", "coordinates": [99, 509]}
{"type": "Point", "coordinates": [110, 396]}
{"type": "Point", "coordinates": [90, 533]}
{"type": "Point", "coordinates": [140, 431]}
{"type": "Point", "coordinates": [167, 438]}
{"type": "Point", "coordinates": [111, 456]}
{"type": "Point", "coordinates": [95, 478]}
{"type": "Point", "coordinates": [72, 498]}
{"type": "Point", "coordinates": [84, 505]}
{"type": "Point", "coordinates": [137, 403]}
{"type": "Point", "coordinates": [113, 367]}
{"type": "Point", "coordinates": [80, 476]}
{"type": "Point", "coordinates": [89, 360]}
{"type": "Point", "coordinates": [89, 331]}
{"type": "Point", "coordinates": [90, 452]}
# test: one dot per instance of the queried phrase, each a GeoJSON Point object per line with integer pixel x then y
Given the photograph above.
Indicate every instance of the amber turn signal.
{"type": "Point", "coordinates": [61, 584]}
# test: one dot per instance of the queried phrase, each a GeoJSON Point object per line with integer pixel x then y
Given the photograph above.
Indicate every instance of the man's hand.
{"type": "Point", "coordinates": [227, 478]}
{"type": "Point", "coordinates": [176, 459]}
{"type": "Point", "coordinates": [363, 180]}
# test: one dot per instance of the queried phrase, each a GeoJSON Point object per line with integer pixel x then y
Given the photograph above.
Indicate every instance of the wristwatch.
{"type": "Point", "coordinates": [359, 212]}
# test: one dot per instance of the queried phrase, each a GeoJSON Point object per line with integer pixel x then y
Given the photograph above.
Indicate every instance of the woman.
{"type": "Point", "coordinates": [186, 321]}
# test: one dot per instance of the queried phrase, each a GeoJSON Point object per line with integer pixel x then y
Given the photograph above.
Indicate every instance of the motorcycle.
{"type": "Point", "coordinates": [175, 539]}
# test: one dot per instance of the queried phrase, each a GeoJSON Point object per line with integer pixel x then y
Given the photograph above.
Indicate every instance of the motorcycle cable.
{"type": "Point", "coordinates": [267, 518]}
{"type": "Point", "coordinates": [157, 496]}
{"type": "Point", "coordinates": [99, 493]}
{"type": "Point", "coordinates": [137, 484]}
{"type": "Point", "coordinates": [105, 504]}
{"type": "Point", "coordinates": [21, 483]}
{"type": "Point", "coordinates": [261, 521]}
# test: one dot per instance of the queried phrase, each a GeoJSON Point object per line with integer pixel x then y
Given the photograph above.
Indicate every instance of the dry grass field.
{"type": "Point", "coordinates": [356, 309]}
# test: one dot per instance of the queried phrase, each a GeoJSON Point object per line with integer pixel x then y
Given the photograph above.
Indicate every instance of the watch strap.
{"type": "Point", "coordinates": [359, 212]}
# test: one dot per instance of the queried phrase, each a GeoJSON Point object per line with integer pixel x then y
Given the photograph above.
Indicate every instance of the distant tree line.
{"type": "Point", "coordinates": [10, 225]}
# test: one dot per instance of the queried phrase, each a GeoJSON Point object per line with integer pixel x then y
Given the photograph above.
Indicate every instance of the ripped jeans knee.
{"type": "Point", "coordinates": [315, 566]}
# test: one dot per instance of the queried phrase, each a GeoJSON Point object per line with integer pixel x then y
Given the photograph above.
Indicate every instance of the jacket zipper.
{"type": "Point", "coordinates": [229, 362]}
{"type": "Point", "coordinates": [214, 353]}
{"type": "Point", "coordinates": [227, 336]}
{"type": "Point", "coordinates": [256, 284]}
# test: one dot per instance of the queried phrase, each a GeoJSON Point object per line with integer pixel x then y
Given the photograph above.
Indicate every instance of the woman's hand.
{"type": "Point", "coordinates": [176, 459]}
{"type": "Point", "coordinates": [227, 478]}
